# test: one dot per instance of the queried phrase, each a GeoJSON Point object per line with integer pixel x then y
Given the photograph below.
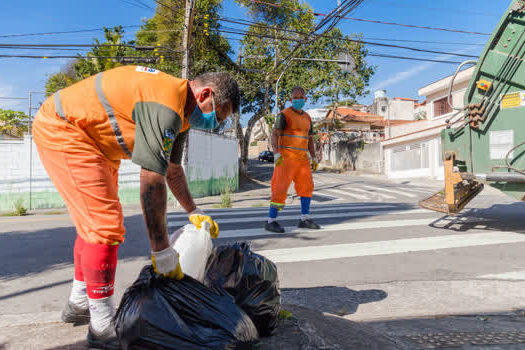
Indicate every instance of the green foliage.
{"type": "Point", "coordinates": [254, 143]}
{"type": "Point", "coordinates": [267, 44]}
{"type": "Point", "coordinates": [227, 189]}
{"type": "Point", "coordinates": [59, 81]}
{"type": "Point", "coordinates": [20, 210]}
{"type": "Point", "coordinates": [209, 50]}
{"type": "Point", "coordinates": [13, 123]}
{"type": "Point", "coordinates": [102, 57]}
{"type": "Point", "coordinates": [19, 207]}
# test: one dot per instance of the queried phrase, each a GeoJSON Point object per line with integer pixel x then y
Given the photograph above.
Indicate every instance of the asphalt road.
{"type": "Point", "coordinates": [377, 259]}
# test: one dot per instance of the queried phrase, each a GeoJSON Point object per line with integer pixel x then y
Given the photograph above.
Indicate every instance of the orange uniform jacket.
{"type": "Point", "coordinates": [296, 128]}
{"type": "Point", "coordinates": [126, 112]}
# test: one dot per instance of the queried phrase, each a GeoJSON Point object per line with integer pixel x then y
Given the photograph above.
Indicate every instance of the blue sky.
{"type": "Point", "coordinates": [398, 77]}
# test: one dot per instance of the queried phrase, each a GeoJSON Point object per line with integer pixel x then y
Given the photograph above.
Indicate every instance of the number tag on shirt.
{"type": "Point", "coordinates": [147, 70]}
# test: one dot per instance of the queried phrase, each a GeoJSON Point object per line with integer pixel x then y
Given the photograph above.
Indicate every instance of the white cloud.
{"type": "Point", "coordinates": [414, 70]}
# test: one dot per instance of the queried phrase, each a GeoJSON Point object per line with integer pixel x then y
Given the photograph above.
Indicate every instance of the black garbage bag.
{"type": "Point", "coordinates": [251, 279]}
{"type": "Point", "coordinates": [160, 313]}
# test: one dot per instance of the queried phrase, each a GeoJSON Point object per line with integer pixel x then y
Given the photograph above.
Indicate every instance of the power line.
{"type": "Point", "coordinates": [375, 21]}
{"type": "Point", "coordinates": [258, 24]}
{"type": "Point", "coordinates": [139, 4]}
{"type": "Point", "coordinates": [412, 58]}
{"type": "Point", "coordinates": [58, 33]}
{"type": "Point", "coordinates": [355, 41]}
{"type": "Point", "coordinates": [85, 57]}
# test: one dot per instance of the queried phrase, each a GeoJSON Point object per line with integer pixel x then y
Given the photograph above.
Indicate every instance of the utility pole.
{"type": "Point", "coordinates": [185, 71]}
{"type": "Point", "coordinates": [186, 38]}
{"type": "Point", "coordinates": [30, 127]}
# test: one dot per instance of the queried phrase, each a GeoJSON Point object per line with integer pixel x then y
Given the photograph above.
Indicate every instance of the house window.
{"type": "Point", "coordinates": [441, 107]}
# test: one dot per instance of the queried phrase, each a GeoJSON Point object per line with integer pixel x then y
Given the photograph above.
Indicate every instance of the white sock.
{"type": "Point", "coordinates": [101, 312]}
{"type": "Point", "coordinates": [305, 217]}
{"type": "Point", "coordinates": [270, 220]}
{"type": "Point", "coordinates": [78, 296]}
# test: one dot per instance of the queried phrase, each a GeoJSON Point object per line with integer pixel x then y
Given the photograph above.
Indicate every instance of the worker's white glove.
{"type": "Point", "coordinates": [166, 263]}
{"type": "Point", "coordinates": [198, 218]}
{"type": "Point", "coordinates": [278, 159]}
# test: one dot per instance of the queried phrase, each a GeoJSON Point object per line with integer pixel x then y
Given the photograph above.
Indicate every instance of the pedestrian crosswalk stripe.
{"type": "Point", "coordinates": [345, 193]}
{"type": "Point", "coordinates": [390, 190]}
{"type": "Point", "coordinates": [376, 193]}
{"type": "Point", "coordinates": [353, 250]}
{"type": "Point", "coordinates": [513, 275]}
{"type": "Point", "coordinates": [261, 232]}
{"type": "Point", "coordinates": [319, 216]}
{"type": "Point", "coordinates": [289, 209]}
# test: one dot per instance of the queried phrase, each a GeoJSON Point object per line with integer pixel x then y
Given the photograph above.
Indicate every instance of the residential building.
{"type": "Point", "coordinates": [398, 108]}
{"type": "Point", "coordinates": [414, 149]}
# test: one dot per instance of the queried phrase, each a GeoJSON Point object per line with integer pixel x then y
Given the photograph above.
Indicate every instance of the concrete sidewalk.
{"type": "Point", "coordinates": [305, 329]}
{"type": "Point", "coordinates": [466, 314]}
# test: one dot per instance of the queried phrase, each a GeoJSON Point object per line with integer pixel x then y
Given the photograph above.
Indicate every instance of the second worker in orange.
{"type": "Point", "coordinates": [294, 157]}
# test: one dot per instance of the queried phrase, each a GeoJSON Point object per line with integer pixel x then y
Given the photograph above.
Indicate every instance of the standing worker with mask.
{"type": "Point", "coordinates": [82, 132]}
{"type": "Point", "coordinates": [294, 157]}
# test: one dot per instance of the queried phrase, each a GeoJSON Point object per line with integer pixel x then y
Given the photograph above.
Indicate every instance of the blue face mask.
{"type": "Point", "coordinates": [204, 121]}
{"type": "Point", "coordinates": [298, 103]}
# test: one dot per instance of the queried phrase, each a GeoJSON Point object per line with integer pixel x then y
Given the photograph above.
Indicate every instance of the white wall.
{"type": "Point", "coordinates": [213, 163]}
{"type": "Point", "coordinates": [401, 109]}
{"type": "Point", "coordinates": [430, 166]}
{"type": "Point", "coordinates": [212, 160]}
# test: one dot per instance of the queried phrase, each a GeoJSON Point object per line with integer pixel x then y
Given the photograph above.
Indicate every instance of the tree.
{"type": "Point", "coordinates": [13, 123]}
{"type": "Point", "coordinates": [101, 57]}
{"type": "Point", "coordinates": [269, 40]}
{"type": "Point", "coordinates": [209, 49]}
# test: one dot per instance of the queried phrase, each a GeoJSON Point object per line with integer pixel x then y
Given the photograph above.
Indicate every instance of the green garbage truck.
{"type": "Point", "coordinates": [484, 142]}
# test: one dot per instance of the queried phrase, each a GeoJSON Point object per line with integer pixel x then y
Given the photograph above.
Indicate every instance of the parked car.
{"type": "Point", "coordinates": [266, 156]}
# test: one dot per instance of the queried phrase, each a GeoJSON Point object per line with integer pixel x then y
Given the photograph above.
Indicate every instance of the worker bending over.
{"type": "Point", "coordinates": [294, 157]}
{"type": "Point", "coordinates": [82, 132]}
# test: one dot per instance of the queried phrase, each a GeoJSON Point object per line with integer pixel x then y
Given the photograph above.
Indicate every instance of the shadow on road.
{"type": "Point", "coordinates": [28, 252]}
{"type": "Point", "coordinates": [339, 301]}
{"type": "Point", "coordinates": [498, 217]}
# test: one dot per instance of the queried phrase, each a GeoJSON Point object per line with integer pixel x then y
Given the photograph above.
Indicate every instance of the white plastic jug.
{"type": "Point", "coordinates": [194, 247]}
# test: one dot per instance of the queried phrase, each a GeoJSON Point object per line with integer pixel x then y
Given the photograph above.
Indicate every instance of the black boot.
{"type": "Point", "coordinates": [105, 341]}
{"type": "Point", "coordinates": [308, 224]}
{"type": "Point", "coordinates": [74, 314]}
{"type": "Point", "coordinates": [273, 227]}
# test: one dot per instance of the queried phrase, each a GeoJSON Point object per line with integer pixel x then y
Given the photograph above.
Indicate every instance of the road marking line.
{"type": "Point", "coordinates": [264, 210]}
{"type": "Point", "coordinates": [319, 216]}
{"type": "Point", "coordinates": [346, 194]}
{"type": "Point", "coordinates": [513, 275]}
{"type": "Point", "coordinates": [381, 195]}
{"type": "Point", "coordinates": [258, 232]}
{"type": "Point", "coordinates": [389, 190]}
{"type": "Point", "coordinates": [341, 251]}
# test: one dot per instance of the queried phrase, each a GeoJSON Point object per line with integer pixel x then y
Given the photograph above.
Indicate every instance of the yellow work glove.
{"type": "Point", "coordinates": [314, 165]}
{"type": "Point", "coordinates": [197, 217]}
{"type": "Point", "coordinates": [278, 159]}
{"type": "Point", "coordinates": [166, 263]}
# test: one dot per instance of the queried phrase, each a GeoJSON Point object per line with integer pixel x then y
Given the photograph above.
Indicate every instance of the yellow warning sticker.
{"type": "Point", "coordinates": [513, 100]}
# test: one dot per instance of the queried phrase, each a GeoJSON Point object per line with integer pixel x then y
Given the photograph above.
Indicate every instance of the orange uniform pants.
{"type": "Point", "coordinates": [299, 172]}
{"type": "Point", "coordinates": [88, 183]}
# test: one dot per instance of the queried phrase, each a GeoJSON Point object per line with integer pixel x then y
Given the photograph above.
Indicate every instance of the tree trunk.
{"type": "Point", "coordinates": [244, 142]}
